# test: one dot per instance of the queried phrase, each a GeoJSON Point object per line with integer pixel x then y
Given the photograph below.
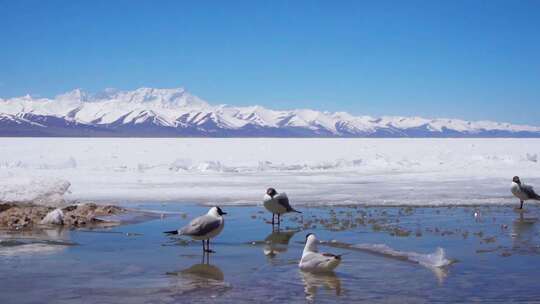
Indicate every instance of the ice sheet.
{"type": "Point", "coordinates": [238, 171]}
{"type": "Point", "coordinates": [38, 190]}
{"type": "Point", "coordinates": [436, 259]}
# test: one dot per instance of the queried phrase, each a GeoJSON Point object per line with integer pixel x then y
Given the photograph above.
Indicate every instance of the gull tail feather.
{"type": "Point", "coordinates": [171, 232]}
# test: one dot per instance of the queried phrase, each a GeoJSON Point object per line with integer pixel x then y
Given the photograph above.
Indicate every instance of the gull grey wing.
{"type": "Point", "coordinates": [200, 226]}
{"type": "Point", "coordinates": [283, 200]}
{"type": "Point", "coordinates": [529, 191]}
{"type": "Point", "coordinates": [314, 260]}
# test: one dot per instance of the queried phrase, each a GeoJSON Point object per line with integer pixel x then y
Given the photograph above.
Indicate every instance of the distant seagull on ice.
{"type": "Point", "coordinates": [523, 192]}
{"type": "Point", "coordinates": [204, 228]}
{"type": "Point", "coordinates": [313, 261]}
{"type": "Point", "coordinates": [277, 204]}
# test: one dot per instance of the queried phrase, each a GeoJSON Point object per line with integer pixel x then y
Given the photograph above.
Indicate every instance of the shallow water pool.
{"type": "Point", "coordinates": [494, 258]}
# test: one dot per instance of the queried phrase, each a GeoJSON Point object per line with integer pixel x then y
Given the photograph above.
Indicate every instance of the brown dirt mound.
{"type": "Point", "coordinates": [22, 216]}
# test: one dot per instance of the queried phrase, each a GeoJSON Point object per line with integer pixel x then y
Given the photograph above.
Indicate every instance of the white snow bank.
{"type": "Point", "coordinates": [238, 171]}
{"type": "Point", "coordinates": [39, 190]}
{"type": "Point", "coordinates": [189, 165]}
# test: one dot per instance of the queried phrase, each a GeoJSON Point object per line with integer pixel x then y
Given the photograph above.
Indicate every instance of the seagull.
{"type": "Point", "coordinates": [204, 227]}
{"type": "Point", "coordinates": [523, 192]}
{"type": "Point", "coordinates": [313, 261]}
{"type": "Point", "coordinates": [277, 204]}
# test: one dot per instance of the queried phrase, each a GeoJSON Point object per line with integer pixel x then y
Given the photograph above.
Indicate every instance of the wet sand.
{"type": "Point", "coordinates": [492, 257]}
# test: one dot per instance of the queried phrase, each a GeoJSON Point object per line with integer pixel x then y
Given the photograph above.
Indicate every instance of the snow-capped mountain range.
{"type": "Point", "coordinates": [148, 112]}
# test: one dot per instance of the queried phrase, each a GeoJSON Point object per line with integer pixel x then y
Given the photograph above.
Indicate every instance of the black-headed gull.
{"type": "Point", "coordinates": [204, 228]}
{"type": "Point", "coordinates": [523, 192]}
{"type": "Point", "coordinates": [277, 203]}
{"type": "Point", "coordinates": [313, 261]}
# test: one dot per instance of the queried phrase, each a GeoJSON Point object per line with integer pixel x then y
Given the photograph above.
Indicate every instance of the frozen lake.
{"type": "Point", "coordinates": [237, 171]}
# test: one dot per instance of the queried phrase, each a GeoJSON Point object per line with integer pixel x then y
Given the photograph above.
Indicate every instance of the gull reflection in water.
{"type": "Point", "coordinates": [440, 273]}
{"type": "Point", "coordinates": [200, 276]}
{"type": "Point", "coordinates": [523, 230]}
{"type": "Point", "coordinates": [204, 272]}
{"type": "Point", "coordinates": [277, 242]}
{"type": "Point", "coordinates": [326, 281]}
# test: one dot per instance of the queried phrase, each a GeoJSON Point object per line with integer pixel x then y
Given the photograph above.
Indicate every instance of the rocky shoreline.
{"type": "Point", "coordinates": [19, 216]}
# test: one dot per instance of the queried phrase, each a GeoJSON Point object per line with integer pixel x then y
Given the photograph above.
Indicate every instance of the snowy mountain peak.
{"type": "Point", "coordinates": [175, 112]}
{"type": "Point", "coordinates": [169, 98]}
{"type": "Point", "coordinates": [72, 96]}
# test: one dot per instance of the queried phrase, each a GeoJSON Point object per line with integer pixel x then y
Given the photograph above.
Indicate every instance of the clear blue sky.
{"type": "Point", "coordinates": [466, 59]}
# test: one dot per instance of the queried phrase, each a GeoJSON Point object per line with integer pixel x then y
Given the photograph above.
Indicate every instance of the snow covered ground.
{"type": "Point", "coordinates": [237, 171]}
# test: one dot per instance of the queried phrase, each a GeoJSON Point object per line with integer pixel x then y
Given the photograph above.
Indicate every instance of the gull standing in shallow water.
{"type": "Point", "coordinates": [277, 204]}
{"type": "Point", "coordinates": [523, 192]}
{"type": "Point", "coordinates": [313, 261]}
{"type": "Point", "coordinates": [204, 228]}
